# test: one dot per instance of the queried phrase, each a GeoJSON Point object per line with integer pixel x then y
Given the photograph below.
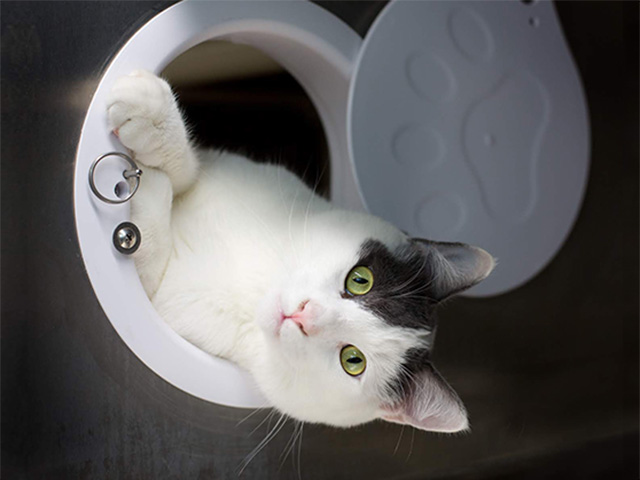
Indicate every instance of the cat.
{"type": "Point", "coordinates": [331, 311]}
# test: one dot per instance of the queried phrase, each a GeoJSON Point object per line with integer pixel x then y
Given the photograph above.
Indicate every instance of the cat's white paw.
{"type": "Point", "coordinates": [141, 110]}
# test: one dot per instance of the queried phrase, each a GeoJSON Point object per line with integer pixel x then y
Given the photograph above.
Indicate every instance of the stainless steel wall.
{"type": "Point", "coordinates": [549, 372]}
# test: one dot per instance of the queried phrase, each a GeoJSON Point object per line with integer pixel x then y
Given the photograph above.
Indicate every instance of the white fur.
{"type": "Point", "coordinates": [229, 244]}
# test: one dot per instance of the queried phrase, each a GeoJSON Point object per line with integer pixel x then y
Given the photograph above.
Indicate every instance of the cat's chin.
{"type": "Point", "coordinates": [338, 418]}
{"type": "Point", "coordinates": [285, 331]}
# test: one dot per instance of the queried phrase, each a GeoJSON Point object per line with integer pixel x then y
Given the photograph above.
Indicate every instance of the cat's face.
{"type": "Point", "coordinates": [347, 346]}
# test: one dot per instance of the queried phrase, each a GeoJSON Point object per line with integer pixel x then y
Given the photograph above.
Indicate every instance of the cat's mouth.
{"type": "Point", "coordinates": [295, 320]}
{"type": "Point", "coordinates": [296, 323]}
{"type": "Point", "coordinates": [299, 318]}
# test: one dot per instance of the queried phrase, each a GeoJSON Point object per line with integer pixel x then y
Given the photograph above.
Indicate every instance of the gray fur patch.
{"type": "Point", "coordinates": [402, 297]}
{"type": "Point", "coordinates": [401, 294]}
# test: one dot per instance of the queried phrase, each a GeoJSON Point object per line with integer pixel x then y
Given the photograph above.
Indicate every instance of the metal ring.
{"type": "Point", "coordinates": [134, 171]}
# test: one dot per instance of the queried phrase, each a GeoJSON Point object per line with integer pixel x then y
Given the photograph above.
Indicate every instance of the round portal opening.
{"type": "Point", "coordinates": [237, 98]}
{"type": "Point", "coordinates": [298, 38]}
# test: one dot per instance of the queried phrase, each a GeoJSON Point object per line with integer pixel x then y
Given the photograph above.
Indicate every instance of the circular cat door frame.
{"type": "Point", "coordinates": [319, 51]}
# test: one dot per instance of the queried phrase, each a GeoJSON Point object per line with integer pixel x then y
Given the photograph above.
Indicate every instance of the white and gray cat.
{"type": "Point", "coordinates": [332, 311]}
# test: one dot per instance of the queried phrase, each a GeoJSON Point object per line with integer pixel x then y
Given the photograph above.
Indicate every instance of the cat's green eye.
{"type": "Point", "coordinates": [353, 360]}
{"type": "Point", "coordinates": [359, 281]}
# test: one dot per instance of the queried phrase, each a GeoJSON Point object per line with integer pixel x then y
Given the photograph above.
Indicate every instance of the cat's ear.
{"type": "Point", "coordinates": [455, 266]}
{"type": "Point", "coordinates": [429, 403]}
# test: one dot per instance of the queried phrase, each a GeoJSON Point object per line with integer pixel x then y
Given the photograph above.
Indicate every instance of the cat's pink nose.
{"type": "Point", "coordinates": [300, 317]}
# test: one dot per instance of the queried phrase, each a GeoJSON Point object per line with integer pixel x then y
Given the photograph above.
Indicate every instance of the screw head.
{"type": "Point", "coordinates": [126, 238]}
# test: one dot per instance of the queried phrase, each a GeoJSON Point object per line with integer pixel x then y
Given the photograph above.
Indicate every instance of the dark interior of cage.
{"type": "Point", "coordinates": [238, 99]}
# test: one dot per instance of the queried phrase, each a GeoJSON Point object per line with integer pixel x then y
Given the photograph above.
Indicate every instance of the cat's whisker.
{"type": "Point", "coordinates": [300, 451]}
{"type": "Point", "coordinates": [311, 197]}
{"type": "Point", "coordinates": [413, 436]}
{"type": "Point", "coordinates": [282, 197]}
{"type": "Point", "coordinates": [255, 410]}
{"type": "Point", "coordinates": [433, 279]}
{"type": "Point", "coordinates": [270, 436]}
{"type": "Point", "coordinates": [395, 450]}
{"type": "Point", "coordinates": [306, 217]}
{"type": "Point", "coordinates": [293, 205]}
{"type": "Point", "coordinates": [291, 242]}
{"type": "Point", "coordinates": [285, 451]}
{"type": "Point", "coordinates": [288, 448]}
{"type": "Point", "coordinates": [267, 417]}
{"type": "Point", "coordinates": [408, 376]}
{"type": "Point", "coordinates": [408, 282]}
{"type": "Point", "coordinates": [421, 288]}
{"type": "Point", "coordinates": [412, 294]}
{"type": "Point", "coordinates": [300, 186]}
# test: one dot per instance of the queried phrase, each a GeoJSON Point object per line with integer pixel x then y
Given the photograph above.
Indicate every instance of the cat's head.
{"type": "Point", "coordinates": [350, 329]}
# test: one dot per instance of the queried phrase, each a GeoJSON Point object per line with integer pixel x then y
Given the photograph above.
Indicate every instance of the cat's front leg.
{"type": "Point", "coordinates": [151, 212]}
{"type": "Point", "coordinates": [143, 112]}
